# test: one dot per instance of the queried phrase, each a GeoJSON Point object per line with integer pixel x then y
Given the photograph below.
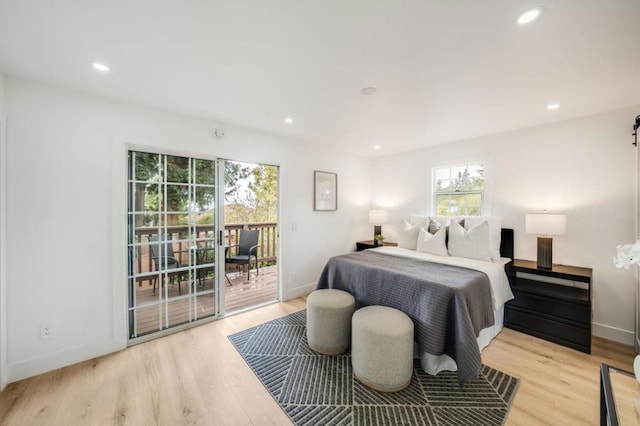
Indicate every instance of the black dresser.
{"type": "Point", "coordinates": [553, 304]}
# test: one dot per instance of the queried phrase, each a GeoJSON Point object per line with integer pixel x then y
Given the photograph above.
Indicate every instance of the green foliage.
{"type": "Point", "coordinates": [459, 205]}
{"type": "Point", "coordinates": [464, 181]}
{"type": "Point", "coordinates": [147, 166]}
{"type": "Point", "coordinates": [205, 219]}
{"type": "Point", "coordinates": [459, 191]}
{"type": "Point", "coordinates": [234, 173]}
{"type": "Point", "coordinates": [189, 185]}
{"type": "Point", "coordinates": [250, 191]}
{"type": "Point", "coordinates": [265, 190]}
{"type": "Point", "coordinates": [237, 213]}
{"type": "Point", "coordinates": [260, 202]}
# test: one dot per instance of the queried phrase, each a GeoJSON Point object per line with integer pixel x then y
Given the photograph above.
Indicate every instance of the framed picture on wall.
{"type": "Point", "coordinates": [325, 189]}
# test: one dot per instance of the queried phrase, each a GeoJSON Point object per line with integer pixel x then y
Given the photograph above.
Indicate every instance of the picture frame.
{"type": "Point", "coordinates": [325, 190]}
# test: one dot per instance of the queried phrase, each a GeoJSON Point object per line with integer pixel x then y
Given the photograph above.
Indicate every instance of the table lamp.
{"type": "Point", "coordinates": [545, 225]}
{"type": "Point", "coordinates": [377, 218]}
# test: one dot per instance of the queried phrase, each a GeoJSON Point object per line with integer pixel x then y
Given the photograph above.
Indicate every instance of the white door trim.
{"type": "Point", "coordinates": [3, 253]}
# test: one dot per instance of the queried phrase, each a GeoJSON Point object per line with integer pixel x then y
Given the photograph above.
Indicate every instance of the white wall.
{"type": "Point", "coordinates": [3, 227]}
{"type": "Point", "coordinates": [584, 168]}
{"type": "Point", "coordinates": [66, 174]}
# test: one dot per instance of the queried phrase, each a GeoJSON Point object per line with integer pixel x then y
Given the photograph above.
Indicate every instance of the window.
{"type": "Point", "coordinates": [459, 190]}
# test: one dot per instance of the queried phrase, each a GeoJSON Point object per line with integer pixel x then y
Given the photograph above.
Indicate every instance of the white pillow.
{"type": "Point", "coordinates": [432, 243]}
{"type": "Point", "coordinates": [442, 220]}
{"type": "Point", "coordinates": [472, 244]}
{"type": "Point", "coordinates": [495, 232]}
{"type": "Point", "coordinates": [416, 219]}
{"type": "Point", "coordinates": [408, 237]}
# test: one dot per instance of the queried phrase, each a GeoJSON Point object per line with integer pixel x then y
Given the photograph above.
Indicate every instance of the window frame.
{"type": "Point", "coordinates": [484, 204]}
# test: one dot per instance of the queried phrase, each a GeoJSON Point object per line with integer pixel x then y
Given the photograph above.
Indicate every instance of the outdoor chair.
{"type": "Point", "coordinates": [203, 255]}
{"type": "Point", "coordinates": [247, 248]}
{"type": "Point", "coordinates": [163, 262]}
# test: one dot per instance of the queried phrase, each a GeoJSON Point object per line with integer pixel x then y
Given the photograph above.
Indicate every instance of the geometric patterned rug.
{"type": "Point", "coordinates": [316, 389]}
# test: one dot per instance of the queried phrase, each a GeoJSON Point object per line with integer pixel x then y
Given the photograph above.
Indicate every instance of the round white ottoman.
{"type": "Point", "coordinates": [329, 314]}
{"type": "Point", "coordinates": [382, 348]}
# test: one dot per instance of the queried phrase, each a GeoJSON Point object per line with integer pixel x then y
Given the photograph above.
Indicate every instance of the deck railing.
{"type": "Point", "coordinates": [179, 234]}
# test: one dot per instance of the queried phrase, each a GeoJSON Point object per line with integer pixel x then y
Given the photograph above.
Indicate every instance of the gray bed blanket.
{"type": "Point", "coordinates": [449, 305]}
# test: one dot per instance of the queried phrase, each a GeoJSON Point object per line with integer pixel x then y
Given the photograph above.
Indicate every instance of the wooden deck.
{"type": "Point", "coordinates": [239, 294]}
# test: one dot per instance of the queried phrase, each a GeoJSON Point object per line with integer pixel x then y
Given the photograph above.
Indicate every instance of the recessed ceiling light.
{"type": "Point", "coordinates": [288, 120]}
{"type": "Point", "coordinates": [377, 147]}
{"type": "Point", "coordinates": [530, 15]}
{"type": "Point", "coordinates": [100, 67]}
{"type": "Point", "coordinates": [553, 106]}
{"type": "Point", "coordinates": [369, 90]}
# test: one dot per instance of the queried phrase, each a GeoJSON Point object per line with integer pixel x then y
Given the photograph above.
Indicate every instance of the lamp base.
{"type": "Point", "coordinates": [377, 230]}
{"type": "Point", "coordinates": [545, 252]}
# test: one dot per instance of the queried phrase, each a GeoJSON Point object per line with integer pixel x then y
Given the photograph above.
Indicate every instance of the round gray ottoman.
{"type": "Point", "coordinates": [382, 348]}
{"type": "Point", "coordinates": [329, 314]}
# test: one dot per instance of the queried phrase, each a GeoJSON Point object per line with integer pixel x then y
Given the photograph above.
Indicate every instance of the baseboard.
{"type": "Point", "coordinates": [300, 291]}
{"type": "Point", "coordinates": [53, 361]}
{"type": "Point", "coordinates": [613, 333]}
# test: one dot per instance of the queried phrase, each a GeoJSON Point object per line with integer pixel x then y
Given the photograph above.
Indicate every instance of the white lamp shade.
{"type": "Point", "coordinates": [378, 217]}
{"type": "Point", "coordinates": [546, 224]}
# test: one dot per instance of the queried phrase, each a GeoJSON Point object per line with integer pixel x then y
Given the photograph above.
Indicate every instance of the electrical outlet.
{"type": "Point", "coordinates": [294, 277]}
{"type": "Point", "coordinates": [46, 332]}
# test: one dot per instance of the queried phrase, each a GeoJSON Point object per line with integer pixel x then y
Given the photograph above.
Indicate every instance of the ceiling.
{"type": "Point", "coordinates": [444, 70]}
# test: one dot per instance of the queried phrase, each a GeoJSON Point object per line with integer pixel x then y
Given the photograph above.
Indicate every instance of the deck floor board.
{"type": "Point", "coordinates": [239, 294]}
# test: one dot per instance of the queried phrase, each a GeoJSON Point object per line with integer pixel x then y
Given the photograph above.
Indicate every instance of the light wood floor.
{"type": "Point", "coordinates": [197, 377]}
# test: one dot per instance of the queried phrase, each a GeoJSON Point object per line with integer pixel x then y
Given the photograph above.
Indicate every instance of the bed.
{"type": "Point", "coordinates": [456, 303]}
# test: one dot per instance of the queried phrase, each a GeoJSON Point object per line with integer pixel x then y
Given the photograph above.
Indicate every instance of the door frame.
{"type": "Point", "coordinates": [220, 267]}
{"type": "Point", "coordinates": [3, 254]}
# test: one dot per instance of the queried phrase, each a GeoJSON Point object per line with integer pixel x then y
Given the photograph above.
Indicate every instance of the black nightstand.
{"type": "Point", "coordinates": [558, 310]}
{"type": "Point", "coordinates": [363, 245]}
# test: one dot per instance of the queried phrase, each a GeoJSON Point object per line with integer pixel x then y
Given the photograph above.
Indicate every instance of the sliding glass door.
{"type": "Point", "coordinates": [172, 244]}
{"type": "Point", "coordinates": [185, 263]}
{"type": "Point", "coordinates": [250, 211]}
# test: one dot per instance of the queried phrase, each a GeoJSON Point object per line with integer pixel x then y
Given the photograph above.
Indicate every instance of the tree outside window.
{"type": "Point", "coordinates": [459, 190]}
